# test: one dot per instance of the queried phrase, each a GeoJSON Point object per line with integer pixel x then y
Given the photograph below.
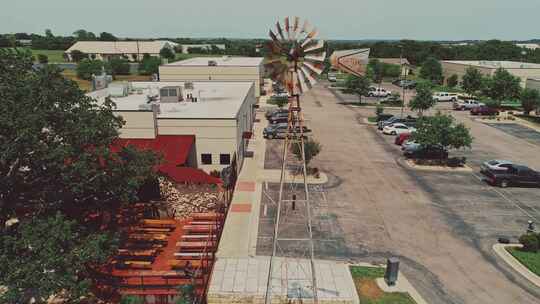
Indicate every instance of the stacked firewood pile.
{"type": "Point", "coordinates": [183, 200]}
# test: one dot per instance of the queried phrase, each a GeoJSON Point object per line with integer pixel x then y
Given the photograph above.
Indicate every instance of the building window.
{"type": "Point", "coordinates": [172, 92]}
{"type": "Point", "coordinates": [224, 159]}
{"type": "Point", "coordinates": [206, 159]}
{"type": "Point", "coordinates": [164, 92]}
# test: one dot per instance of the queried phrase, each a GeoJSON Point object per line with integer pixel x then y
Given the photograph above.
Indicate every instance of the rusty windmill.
{"type": "Point", "coordinates": [296, 58]}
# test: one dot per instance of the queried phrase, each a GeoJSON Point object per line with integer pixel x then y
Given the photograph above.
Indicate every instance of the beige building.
{"type": "Point", "coordinates": [131, 50]}
{"type": "Point", "coordinates": [519, 69]}
{"type": "Point", "coordinates": [215, 69]}
{"type": "Point", "coordinates": [219, 114]}
{"type": "Point", "coordinates": [533, 83]}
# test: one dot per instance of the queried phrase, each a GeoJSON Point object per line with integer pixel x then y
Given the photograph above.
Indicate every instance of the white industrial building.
{"type": "Point", "coordinates": [131, 50]}
{"type": "Point", "coordinates": [215, 69]}
{"type": "Point", "coordinates": [218, 114]}
{"type": "Point", "coordinates": [533, 83]}
{"type": "Point", "coordinates": [185, 48]}
{"type": "Point", "coordinates": [522, 70]}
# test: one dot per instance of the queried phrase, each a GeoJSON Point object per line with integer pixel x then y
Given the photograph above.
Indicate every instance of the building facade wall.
{"type": "Point", "coordinates": [139, 124]}
{"type": "Point", "coordinates": [533, 84]}
{"type": "Point", "coordinates": [212, 73]}
{"type": "Point", "coordinates": [524, 74]}
{"type": "Point", "coordinates": [450, 69]}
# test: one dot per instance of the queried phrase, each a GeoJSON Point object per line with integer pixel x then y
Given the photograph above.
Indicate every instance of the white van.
{"type": "Point", "coordinates": [444, 96]}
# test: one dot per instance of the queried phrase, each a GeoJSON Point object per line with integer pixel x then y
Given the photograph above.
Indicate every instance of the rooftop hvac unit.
{"type": "Point", "coordinates": [188, 85]}
{"type": "Point", "coordinates": [212, 63]}
{"type": "Point", "coordinates": [171, 94]}
{"type": "Point", "coordinates": [119, 90]}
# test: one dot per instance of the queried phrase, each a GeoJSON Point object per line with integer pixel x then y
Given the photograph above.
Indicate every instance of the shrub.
{"type": "Point", "coordinates": [379, 110]}
{"type": "Point", "coordinates": [119, 66]}
{"type": "Point", "coordinates": [131, 300]}
{"type": "Point", "coordinates": [452, 81]}
{"type": "Point", "coordinates": [149, 65]}
{"type": "Point", "coordinates": [77, 55]}
{"type": "Point", "coordinates": [42, 58]}
{"type": "Point", "coordinates": [530, 242]}
{"type": "Point", "coordinates": [279, 101]}
{"type": "Point", "coordinates": [86, 68]}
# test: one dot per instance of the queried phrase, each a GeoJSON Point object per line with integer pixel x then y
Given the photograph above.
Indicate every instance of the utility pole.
{"type": "Point", "coordinates": [401, 78]}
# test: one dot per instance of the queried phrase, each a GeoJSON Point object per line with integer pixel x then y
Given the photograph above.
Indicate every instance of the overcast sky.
{"type": "Point", "coordinates": [337, 19]}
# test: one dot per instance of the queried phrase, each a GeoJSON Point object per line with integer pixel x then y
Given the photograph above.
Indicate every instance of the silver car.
{"type": "Point", "coordinates": [495, 164]}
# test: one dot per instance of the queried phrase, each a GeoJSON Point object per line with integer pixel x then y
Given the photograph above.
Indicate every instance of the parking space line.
{"type": "Point", "coordinates": [508, 199]}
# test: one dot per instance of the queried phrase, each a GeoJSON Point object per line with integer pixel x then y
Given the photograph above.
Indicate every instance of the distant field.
{"type": "Point", "coordinates": [54, 55]}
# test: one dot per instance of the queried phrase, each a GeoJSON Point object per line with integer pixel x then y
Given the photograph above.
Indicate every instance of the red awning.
{"type": "Point", "coordinates": [175, 148]}
{"type": "Point", "coordinates": [188, 175]}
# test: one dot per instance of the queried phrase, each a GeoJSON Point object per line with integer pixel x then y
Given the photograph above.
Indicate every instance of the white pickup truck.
{"type": "Point", "coordinates": [378, 92]}
{"type": "Point", "coordinates": [444, 96]}
{"type": "Point", "coordinates": [466, 104]}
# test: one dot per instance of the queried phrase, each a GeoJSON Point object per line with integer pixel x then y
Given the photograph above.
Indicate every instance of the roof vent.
{"type": "Point", "coordinates": [212, 63]}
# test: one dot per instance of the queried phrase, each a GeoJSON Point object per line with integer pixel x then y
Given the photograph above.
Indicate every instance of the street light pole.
{"type": "Point", "coordinates": [401, 78]}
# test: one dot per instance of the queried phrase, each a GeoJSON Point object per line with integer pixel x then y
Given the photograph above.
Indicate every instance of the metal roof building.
{"type": "Point", "coordinates": [133, 50]}
{"type": "Point", "coordinates": [522, 70]}
{"type": "Point", "coordinates": [218, 69]}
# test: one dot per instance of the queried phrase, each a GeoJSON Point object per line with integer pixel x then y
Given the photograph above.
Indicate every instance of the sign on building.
{"type": "Point", "coordinates": [351, 61]}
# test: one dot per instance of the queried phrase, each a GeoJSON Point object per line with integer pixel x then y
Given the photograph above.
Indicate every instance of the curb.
{"type": "Point", "coordinates": [408, 163]}
{"type": "Point", "coordinates": [500, 250]}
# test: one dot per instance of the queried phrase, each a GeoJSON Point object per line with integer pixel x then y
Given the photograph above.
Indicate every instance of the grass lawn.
{"type": "Point", "coordinates": [53, 55]}
{"type": "Point", "coordinates": [529, 118]}
{"type": "Point", "coordinates": [531, 260]}
{"type": "Point", "coordinates": [368, 290]}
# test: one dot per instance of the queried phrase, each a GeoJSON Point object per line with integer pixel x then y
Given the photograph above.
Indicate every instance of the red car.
{"type": "Point", "coordinates": [401, 138]}
{"type": "Point", "coordinates": [484, 110]}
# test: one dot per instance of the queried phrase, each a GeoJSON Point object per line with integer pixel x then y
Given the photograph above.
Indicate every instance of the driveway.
{"type": "Point", "coordinates": [436, 223]}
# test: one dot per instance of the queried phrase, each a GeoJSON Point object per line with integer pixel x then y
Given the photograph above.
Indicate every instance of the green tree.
{"type": "Point", "coordinates": [167, 53]}
{"type": "Point", "coordinates": [441, 130]}
{"type": "Point", "coordinates": [472, 81]}
{"type": "Point", "coordinates": [452, 81]}
{"type": "Point", "coordinates": [48, 256]}
{"type": "Point", "coordinates": [149, 65]}
{"type": "Point", "coordinates": [530, 100]}
{"type": "Point", "coordinates": [431, 70]}
{"type": "Point", "coordinates": [87, 67]}
{"type": "Point", "coordinates": [56, 169]}
{"type": "Point", "coordinates": [42, 58]}
{"type": "Point", "coordinates": [119, 66]}
{"type": "Point", "coordinates": [357, 85]}
{"type": "Point", "coordinates": [311, 149]}
{"type": "Point", "coordinates": [530, 242]}
{"type": "Point", "coordinates": [377, 70]}
{"type": "Point", "coordinates": [503, 85]}
{"type": "Point", "coordinates": [379, 110]}
{"type": "Point", "coordinates": [83, 35]}
{"type": "Point", "coordinates": [104, 36]}
{"type": "Point", "coordinates": [424, 98]}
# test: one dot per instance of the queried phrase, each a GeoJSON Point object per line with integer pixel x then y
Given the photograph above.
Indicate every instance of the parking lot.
{"type": "Point", "coordinates": [442, 225]}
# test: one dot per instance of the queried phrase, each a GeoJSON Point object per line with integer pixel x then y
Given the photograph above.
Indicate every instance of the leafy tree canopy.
{"type": "Point", "coordinates": [104, 36]}
{"type": "Point", "coordinates": [311, 149]}
{"type": "Point", "coordinates": [424, 98]}
{"type": "Point", "coordinates": [357, 85]}
{"type": "Point", "coordinates": [472, 81]}
{"type": "Point", "coordinates": [502, 86]}
{"type": "Point", "coordinates": [166, 53]}
{"type": "Point", "coordinates": [431, 70]}
{"type": "Point", "coordinates": [88, 67]}
{"type": "Point", "coordinates": [530, 100]}
{"type": "Point", "coordinates": [441, 130]}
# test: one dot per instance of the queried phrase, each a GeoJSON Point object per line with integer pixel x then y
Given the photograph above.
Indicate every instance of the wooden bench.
{"type": "Point", "coordinates": [207, 216]}
{"type": "Point", "coordinates": [180, 264]}
{"type": "Point", "coordinates": [159, 223]}
{"type": "Point", "coordinates": [196, 245]}
{"type": "Point", "coordinates": [148, 237]}
{"type": "Point", "coordinates": [151, 230]}
{"type": "Point", "coordinates": [200, 228]}
{"type": "Point", "coordinates": [198, 237]}
{"type": "Point", "coordinates": [193, 255]}
{"type": "Point", "coordinates": [135, 253]}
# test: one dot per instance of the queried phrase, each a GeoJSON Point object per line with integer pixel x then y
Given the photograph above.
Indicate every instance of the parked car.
{"type": "Point", "coordinates": [401, 138]}
{"type": "Point", "coordinates": [279, 130]}
{"type": "Point", "coordinates": [514, 175]}
{"type": "Point", "coordinates": [279, 117]}
{"type": "Point", "coordinates": [422, 152]}
{"type": "Point", "coordinates": [397, 128]}
{"type": "Point", "coordinates": [378, 92]}
{"type": "Point", "coordinates": [383, 117]}
{"type": "Point", "coordinates": [444, 96]}
{"type": "Point", "coordinates": [495, 164]}
{"type": "Point", "coordinates": [408, 120]}
{"type": "Point", "coordinates": [466, 104]}
{"type": "Point", "coordinates": [484, 110]}
{"type": "Point", "coordinates": [270, 113]}
{"type": "Point", "coordinates": [392, 99]}
{"type": "Point", "coordinates": [332, 78]}
{"type": "Point", "coordinates": [409, 144]}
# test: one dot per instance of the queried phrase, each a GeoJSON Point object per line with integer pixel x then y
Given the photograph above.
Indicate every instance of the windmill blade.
{"type": "Point", "coordinates": [318, 45]}
{"type": "Point", "coordinates": [306, 42]}
{"type": "Point", "coordinates": [287, 28]}
{"type": "Point", "coordinates": [303, 81]}
{"type": "Point", "coordinates": [275, 39]}
{"type": "Point", "coordinates": [274, 48]}
{"type": "Point", "coordinates": [295, 28]}
{"type": "Point", "coordinates": [280, 30]}
{"type": "Point", "coordinates": [309, 76]}
{"type": "Point", "coordinates": [316, 68]}
{"type": "Point", "coordinates": [313, 34]}
{"type": "Point", "coordinates": [316, 57]}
